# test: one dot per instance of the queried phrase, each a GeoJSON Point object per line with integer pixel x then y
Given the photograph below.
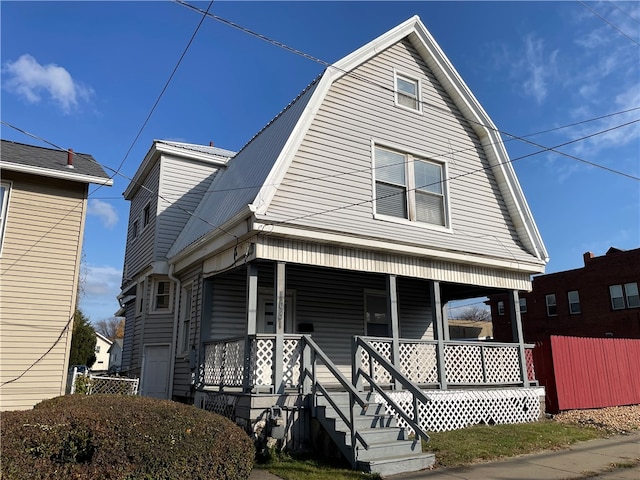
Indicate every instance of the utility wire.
{"type": "Point", "coordinates": [625, 12]}
{"type": "Point", "coordinates": [457, 115]}
{"type": "Point", "coordinates": [607, 22]}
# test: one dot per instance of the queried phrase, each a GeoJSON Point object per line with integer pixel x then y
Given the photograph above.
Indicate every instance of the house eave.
{"type": "Point", "coordinates": [46, 172]}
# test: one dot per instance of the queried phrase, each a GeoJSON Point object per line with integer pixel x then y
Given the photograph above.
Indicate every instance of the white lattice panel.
{"type": "Point", "coordinates": [418, 362]}
{"type": "Point", "coordinates": [463, 364]}
{"type": "Point", "coordinates": [233, 371]}
{"type": "Point", "coordinates": [455, 409]}
{"type": "Point", "coordinates": [291, 362]}
{"type": "Point", "coordinates": [262, 361]}
{"type": "Point", "coordinates": [378, 373]}
{"type": "Point", "coordinates": [213, 358]}
{"type": "Point", "coordinates": [531, 370]}
{"type": "Point", "coordinates": [502, 364]}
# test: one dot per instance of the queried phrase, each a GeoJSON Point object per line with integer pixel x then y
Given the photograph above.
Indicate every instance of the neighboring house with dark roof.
{"type": "Point", "coordinates": [600, 300]}
{"type": "Point", "coordinates": [349, 221]}
{"type": "Point", "coordinates": [44, 202]}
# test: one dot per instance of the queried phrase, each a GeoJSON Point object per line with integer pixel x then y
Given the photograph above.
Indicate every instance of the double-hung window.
{"type": "Point", "coordinates": [552, 308]}
{"type": "Point", "coordinates": [5, 188]}
{"type": "Point", "coordinates": [162, 295]}
{"type": "Point", "coordinates": [624, 296]}
{"type": "Point", "coordinates": [409, 187]}
{"type": "Point", "coordinates": [407, 92]}
{"type": "Point", "coordinates": [185, 326]}
{"type": "Point", "coordinates": [574, 302]}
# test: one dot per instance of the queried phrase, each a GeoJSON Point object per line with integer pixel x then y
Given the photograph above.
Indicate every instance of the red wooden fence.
{"type": "Point", "coordinates": [588, 372]}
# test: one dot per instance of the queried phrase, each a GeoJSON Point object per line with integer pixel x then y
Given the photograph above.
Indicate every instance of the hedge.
{"type": "Point", "coordinates": [121, 437]}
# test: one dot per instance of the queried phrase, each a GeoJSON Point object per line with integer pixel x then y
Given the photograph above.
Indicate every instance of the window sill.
{"type": "Point", "coordinates": [406, 221]}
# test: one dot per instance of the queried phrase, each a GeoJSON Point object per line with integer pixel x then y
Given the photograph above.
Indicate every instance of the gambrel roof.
{"type": "Point", "coordinates": [255, 175]}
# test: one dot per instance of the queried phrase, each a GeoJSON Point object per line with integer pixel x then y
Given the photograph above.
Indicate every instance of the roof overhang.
{"type": "Point", "coordinates": [63, 175]}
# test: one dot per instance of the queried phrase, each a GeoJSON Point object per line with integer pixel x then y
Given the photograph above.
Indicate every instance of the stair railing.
{"type": "Point", "coordinates": [311, 355]}
{"type": "Point", "coordinates": [358, 346]}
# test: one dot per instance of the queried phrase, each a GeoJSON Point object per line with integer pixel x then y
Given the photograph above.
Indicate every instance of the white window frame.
{"type": "Point", "coordinates": [135, 229]}
{"type": "Point", "coordinates": [146, 215]}
{"type": "Point", "coordinates": [410, 187]}
{"type": "Point", "coordinates": [573, 302]}
{"type": "Point", "coordinates": [550, 305]}
{"type": "Point", "coordinates": [154, 298]}
{"type": "Point", "coordinates": [186, 306]}
{"type": "Point", "coordinates": [4, 209]}
{"type": "Point", "coordinates": [140, 293]}
{"type": "Point", "coordinates": [397, 93]}
{"type": "Point", "coordinates": [618, 295]}
{"type": "Point", "coordinates": [630, 291]}
{"type": "Point", "coordinates": [523, 304]}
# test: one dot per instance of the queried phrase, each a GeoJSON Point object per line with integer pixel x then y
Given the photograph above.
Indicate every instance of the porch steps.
{"type": "Point", "coordinates": [389, 449]}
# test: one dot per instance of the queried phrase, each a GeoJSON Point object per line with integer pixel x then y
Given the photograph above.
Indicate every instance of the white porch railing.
{"type": "Point", "coordinates": [250, 364]}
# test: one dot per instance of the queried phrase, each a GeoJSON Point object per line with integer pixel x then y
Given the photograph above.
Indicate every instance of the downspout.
{"type": "Point", "coordinates": [176, 319]}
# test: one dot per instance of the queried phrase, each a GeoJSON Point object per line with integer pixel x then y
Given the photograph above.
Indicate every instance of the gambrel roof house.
{"type": "Point", "coordinates": [315, 269]}
{"type": "Point", "coordinates": [44, 203]}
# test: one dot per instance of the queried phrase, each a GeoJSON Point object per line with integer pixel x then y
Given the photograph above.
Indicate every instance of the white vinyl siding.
{"type": "Point", "coordinates": [330, 185]}
{"type": "Point", "coordinates": [5, 189]}
{"type": "Point", "coordinates": [39, 271]}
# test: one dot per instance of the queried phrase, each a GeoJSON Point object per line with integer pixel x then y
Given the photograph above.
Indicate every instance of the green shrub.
{"type": "Point", "coordinates": [121, 437]}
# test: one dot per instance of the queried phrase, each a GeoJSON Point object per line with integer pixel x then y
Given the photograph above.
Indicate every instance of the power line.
{"type": "Point", "coordinates": [625, 12]}
{"type": "Point", "coordinates": [607, 22]}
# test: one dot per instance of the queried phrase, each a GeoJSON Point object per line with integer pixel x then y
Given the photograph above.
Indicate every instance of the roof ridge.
{"type": "Point", "coordinates": [45, 148]}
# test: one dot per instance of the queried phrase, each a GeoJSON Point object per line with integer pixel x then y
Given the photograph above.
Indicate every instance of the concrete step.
{"type": "Point", "coordinates": [396, 465]}
{"type": "Point", "coordinates": [361, 421]}
{"type": "Point", "coordinates": [395, 448]}
{"type": "Point", "coordinates": [374, 436]}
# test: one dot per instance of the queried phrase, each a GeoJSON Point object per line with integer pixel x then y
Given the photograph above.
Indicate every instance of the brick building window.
{"type": "Point", "coordinates": [552, 308]}
{"type": "Point", "coordinates": [574, 302]}
{"type": "Point", "coordinates": [624, 296]}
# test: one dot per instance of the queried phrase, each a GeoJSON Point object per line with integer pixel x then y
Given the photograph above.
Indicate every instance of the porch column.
{"type": "Point", "coordinates": [252, 320]}
{"type": "Point", "coordinates": [280, 296]}
{"type": "Point", "coordinates": [392, 308]}
{"type": "Point", "coordinates": [518, 336]}
{"type": "Point", "coordinates": [205, 326]}
{"type": "Point", "coordinates": [436, 314]}
{"type": "Point", "coordinates": [445, 322]}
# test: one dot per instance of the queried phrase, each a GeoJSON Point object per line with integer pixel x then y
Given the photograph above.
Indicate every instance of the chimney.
{"type": "Point", "coordinates": [70, 158]}
{"type": "Point", "coordinates": [587, 256]}
{"type": "Point", "coordinates": [211, 144]}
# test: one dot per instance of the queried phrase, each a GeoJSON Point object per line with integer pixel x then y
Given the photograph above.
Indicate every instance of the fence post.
{"type": "Point", "coordinates": [436, 315]}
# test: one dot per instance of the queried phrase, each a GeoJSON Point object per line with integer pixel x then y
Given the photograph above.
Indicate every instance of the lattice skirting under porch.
{"type": "Point", "coordinates": [219, 403]}
{"type": "Point", "coordinates": [455, 409]}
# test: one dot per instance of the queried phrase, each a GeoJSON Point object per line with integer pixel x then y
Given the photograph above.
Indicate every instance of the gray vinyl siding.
{"type": "Point", "coordinates": [139, 250]}
{"type": "Point", "coordinates": [184, 183]}
{"type": "Point", "coordinates": [158, 324]}
{"type": "Point", "coordinates": [228, 307]}
{"type": "Point", "coordinates": [329, 182]}
{"type": "Point", "coordinates": [129, 327]}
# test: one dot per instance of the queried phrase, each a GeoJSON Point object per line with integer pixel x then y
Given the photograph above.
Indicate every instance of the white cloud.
{"type": "Point", "coordinates": [103, 210]}
{"type": "Point", "coordinates": [27, 78]}
{"type": "Point", "coordinates": [540, 69]}
{"type": "Point", "coordinates": [102, 280]}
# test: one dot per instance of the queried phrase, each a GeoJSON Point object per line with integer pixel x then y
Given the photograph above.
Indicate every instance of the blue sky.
{"type": "Point", "coordinates": [85, 75]}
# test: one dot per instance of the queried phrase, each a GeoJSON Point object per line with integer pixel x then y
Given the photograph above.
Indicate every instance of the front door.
{"type": "Point", "coordinates": [155, 371]}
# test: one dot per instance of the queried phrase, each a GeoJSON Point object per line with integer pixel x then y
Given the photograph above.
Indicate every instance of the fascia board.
{"type": "Point", "coordinates": [237, 227]}
{"type": "Point", "coordinates": [191, 154]}
{"type": "Point", "coordinates": [392, 247]}
{"type": "Point", "coordinates": [142, 171]}
{"type": "Point", "coordinates": [45, 172]}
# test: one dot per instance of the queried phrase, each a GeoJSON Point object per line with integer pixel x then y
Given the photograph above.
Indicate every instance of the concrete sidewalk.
{"type": "Point", "coordinates": [591, 459]}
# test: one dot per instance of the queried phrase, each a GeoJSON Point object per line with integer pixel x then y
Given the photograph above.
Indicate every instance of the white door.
{"type": "Point", "coordinates": [155, 371]}
{"type": "Point", "coordinates": [267, 313]}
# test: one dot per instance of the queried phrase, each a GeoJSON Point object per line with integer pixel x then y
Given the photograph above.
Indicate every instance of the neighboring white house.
{"type": "Point", "coordinates": [321, 256]}
{"type": "Point", "coordinates": [115, 355]}
{"type": "Point", "coordinates": [103, 344]}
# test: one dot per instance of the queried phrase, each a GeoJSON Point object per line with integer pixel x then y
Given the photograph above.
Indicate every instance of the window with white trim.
{"type": "Point", "coordinates": [185, 324]}
{"type": "Point", "coordinates": [146, 215]}
{"type": "Point", "coordinates": [135, 227]}
{"type": "Point", "coordinates": [552, 308]}
{"type": "Point", "coordinates": [161, 295]}
{"type": "Point", "coordinates": [5, 189]}
{"type": "Point", "coordinates": [624, 296]}
{"type": "Point", "coordinates": [409, 187]}
{"type": "Point", "coordinates": [407, 92]}
{"type": "Point", "coordinates": [574, 302]}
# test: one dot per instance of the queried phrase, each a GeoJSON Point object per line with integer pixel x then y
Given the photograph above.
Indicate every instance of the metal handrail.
{"type": "Point", "coordinates": [398, 377]}
{"type": "Point", "coordinates": [354, 395]}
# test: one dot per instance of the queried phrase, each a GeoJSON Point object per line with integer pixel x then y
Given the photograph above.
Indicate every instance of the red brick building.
{"type": "Point", "coordinates": [598, 300]}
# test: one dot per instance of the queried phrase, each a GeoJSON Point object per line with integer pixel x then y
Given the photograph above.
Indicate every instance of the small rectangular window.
{"type": "Point", "coordinates": [617, 299]}
{"type": "Point", "coordinates": [134, 229]}
{"type": "Point", "coordinates": [501, 308]}
{"type": "Point", "coordinates": [162, 295]}
{"type": "Point", "coordinates": [139, 298]}
{"type": "Point", "coordinates": [631, 294]}
{"type": "Point", "coordinates": [552, 309]}
{"type": "Point", "coordinates": [523, 305]}
{"type": "Point", "coordinates": [408, 92]}
{"type": "Point", "coordinates": [146, 215]}
{"type": "Point", "coordinates": [574, 302]}
{"type": "Point", "coordinates": [185, 327]}
{"type": "Point", "coordinates": [377, 322]}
